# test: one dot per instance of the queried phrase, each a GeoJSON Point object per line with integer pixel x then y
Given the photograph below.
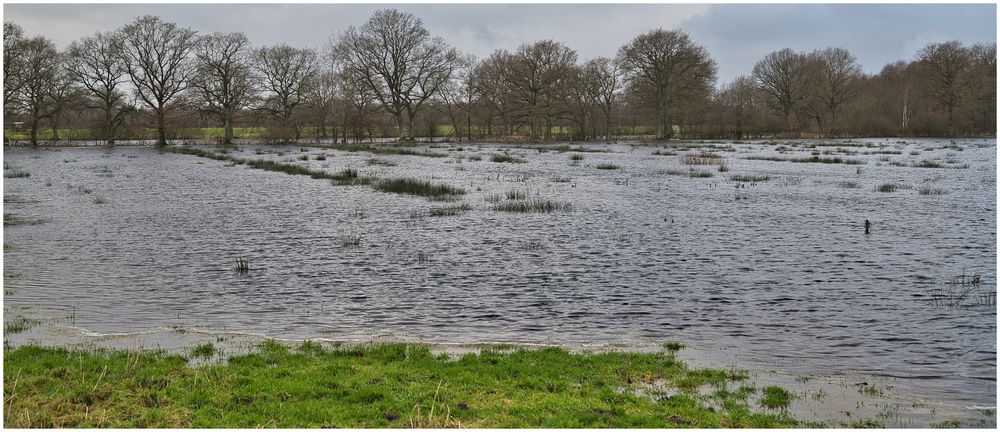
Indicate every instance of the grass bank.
{"type": "Point", "coordinates": [391, 385]}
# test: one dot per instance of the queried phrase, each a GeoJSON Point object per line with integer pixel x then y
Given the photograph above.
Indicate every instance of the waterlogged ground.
{"type": "Point", "coordinates": [764, 265]}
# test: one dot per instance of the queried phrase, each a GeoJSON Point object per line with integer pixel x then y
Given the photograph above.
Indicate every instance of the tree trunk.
{"type": "Point", "coordinates": [34, 132]}
{"type": "Point", "coordinates": [109, 127]}
{"type": "Point", "coordinates": [399, 124]}
{"type": "Point", "coordinates": [607, 125]}
{"type": "Point", "coordinates": [161, 127]}
{"type": "Point", "coordinates": [229, 128]}
{"type": "Point", "coordinates": [55, 129]}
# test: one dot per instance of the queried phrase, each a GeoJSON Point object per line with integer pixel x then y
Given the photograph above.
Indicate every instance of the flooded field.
{"type": "Point", "coordinates": [754, 251]}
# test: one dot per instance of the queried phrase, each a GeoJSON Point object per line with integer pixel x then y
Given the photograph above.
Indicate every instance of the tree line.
{"type": "Point", "coordinates": [391, 77]}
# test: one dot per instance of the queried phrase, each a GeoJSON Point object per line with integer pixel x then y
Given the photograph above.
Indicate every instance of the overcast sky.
{"type": "Point", "coordinates": [736, 35]}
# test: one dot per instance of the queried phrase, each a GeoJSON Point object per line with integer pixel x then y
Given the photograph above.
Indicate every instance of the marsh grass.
{"type": "Point", "coordinates": [321, 157]}
{"type": "Point", "coordinates": [381, 162]}
{"type": "Point", "coordinates": [417, 187]}
{"type": "Point", "coordinates": [704, 158]}
{"type": "Point", "coordinates": [886, 187]}
{"type": "Point", "coordinates": [505, 158]}
{"type": "Point", "coordinates": [812, 159]}
{"type": "Point", "coordinates": [533, 205]}
{"type": "Point", "coordinates": [20, 325]}
{"type": "Point", "coordinates": [241, 265]}
{"type": "Point", "coordinates": [576, 157]}
{"type": "Point", "coordinates": [385, 150]}
{"type": "Point", "coordinates": [606, 166]}
{"type": "Point", "coordinates": [927, 190]}
{"type": "Point", "coordinates": [453, 210]}
{"type": "Point", "coordinates": [16, 173]}
{"type": "Point", "coordinates": [774, 397]}
{"type": "Point", "coordinates": [748, 178]}
{"type": "Point", "coordinates": [370, 386]}
{"type": "Point", "coordinates": [205, 350]}
{"type": "Point", "coordinates": [848, 185]}
{"type": "Point", "coordinates": [350, 240]}
{"type": "Point", "coordinates": [928, 164]}
{"type": "Point", "coordinates": [100, 200]}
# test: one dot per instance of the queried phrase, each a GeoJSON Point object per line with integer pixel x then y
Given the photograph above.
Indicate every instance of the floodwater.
{"type": "Point", "coordinates": [776, 272]}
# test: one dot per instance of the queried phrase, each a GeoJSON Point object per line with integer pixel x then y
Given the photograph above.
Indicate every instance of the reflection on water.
{"type": "Point", "coordinates": [778, 269]}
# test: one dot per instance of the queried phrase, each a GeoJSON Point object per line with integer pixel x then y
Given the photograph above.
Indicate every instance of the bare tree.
{"type": "Point", "coordinates": [739, 99]}
{"type": "Point", "coordinates": [605, 77]}
{"type": "Point", "coordinates": [456, 98]}
{"type": "Point", "coordinates": [42, 68]}
{"type": "Point", "coordinates": [493, 91]}
{"type": "Point", "coordinates": [156, 57]}
{"type": "Point", "coordinates": [287, 77]}
{"type": "Point", "coordinates": [96, 65]}
{"type": "Point", "coordinates": [983, 85]}
{"type": "Point", "coordinates": [321, 99]}
{"type": "Point", "coordinates": [669, 66]}
{"type": "Point", "coordinates": [781, 75]}
{"type": "Point", "coordinates": [537, 75]}
{"type": "Point", "coordinates": [223, 81]}
{"type": "Point", "coordinates": [399, 61]}
{"type": "Point", "coordinates": [836, 80]}
{"type": "Point", "coordinates": [13, 64]}
{"type": "Point", "coordinates": [942, 68]}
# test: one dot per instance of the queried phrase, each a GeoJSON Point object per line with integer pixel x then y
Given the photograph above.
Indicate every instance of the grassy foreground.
{"type": "Point", "coordinates": [391, 385]}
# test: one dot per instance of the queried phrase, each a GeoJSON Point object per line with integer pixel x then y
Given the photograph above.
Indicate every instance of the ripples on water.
{"type": "Point", "coordinates": [780, 270]}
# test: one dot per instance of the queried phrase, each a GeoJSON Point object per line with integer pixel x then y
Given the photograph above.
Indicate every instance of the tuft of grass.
{"type": "Point", "coordinates": [409, 186]}
{"type": "Point", "coordinates": [379, 161]}
{"type": "Point", "coordinates": [515, 194]}
{"type": "Point", "coordinates": [505, 158]}
{"type": "Point", "coordinates": [350, 240]}
{"type": "Point", "coordinates": [321, 157]}
{"type": "Point", "coordinates": [774, 397]}
{"type": "Point", "coordinates": [205, 350]}
{"type": "Point", "coordinates": [886, 187]}
{"type": "Point", "coordinates": [576, 157]}
{"type": "Point", "coordinates": [372, 385]}
{"type": "Point", "coordinates": [746, 178]}
{"type": "Point", "coordinates": [927, 190]}
{"type": "Point", "coordinates": [16, 173]}
{"type": "Point", "coordinates": [928, 164]}
{"type": "Point", "coordinates": [454, 210]}
{"type": "Point", "coordinates": [241, 265]}
{"type": "Point", "coordinates": [304, 157]}
{"type": "Point", "coordinates": [848, 185]}
{"type": "Point", "coordinates": [673, 346]}
{"type": "Point", "coordinates": [606, 166]}
{"type": "Point", "coordinates": [19, 325]}
{"type": "Point", "coordinates": [100, 200]}
{"type": "Point", "coordinates": [534, 205]}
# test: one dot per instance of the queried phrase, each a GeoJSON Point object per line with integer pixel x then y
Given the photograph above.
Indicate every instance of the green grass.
{"type": "Point", "coordinates": [409, 186]}
{"type": "Point", "coordinates": [775, 397]}
{"type": "Point", "coordinates": [367, 386]}
{"type": "Point", "coordinates": [505, 158]}
{"type": "Point", "coordinates": [534, 205]}
{"type": "Point", "coordinates": [19, 325]}
{"type": "Point", "coordinates": [205, 350]}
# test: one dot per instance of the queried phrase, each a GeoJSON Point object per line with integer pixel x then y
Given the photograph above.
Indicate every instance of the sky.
{"type": "Point", "coordinates": [736, 35]}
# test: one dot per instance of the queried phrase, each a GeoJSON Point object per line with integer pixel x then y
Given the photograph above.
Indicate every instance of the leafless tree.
{"type": "Point", "coordinates": [321, 99]}
{"type": "Point", "coordinates": [604, 75]}
{"type": "Point", "coordinates": [42, 69]}
{"type": "Point", "coordinates": [983, 85]}
{"type": "Point", "coordinates": [13, 64]}
{"type": "Point", "coordinates": [488, 83]}
{"type": "Point", "coordinates": [96, 65]}
{"type": "Point", "coordinates": [156, 55]}
{"type": "Point", "coordinates": [670, 68]}
{"type": "Point", "coordinates": [399, 61]}
{"type": "Point", "coordinates": [538, 75]}
{"type": "Point", "coordinates": [782, 76]}
{"type": "Point", "coordinates": [942, 68]}
{"type": "Point", "coordinates": [456, 98]}
{"type": "Point", "coordinates": [288, 75]}
{"type": "Point", "coordinates": [836, 80]}
{"type": "Point", "coordinates": [739, 99]}
{"type": "Point", "coordinates": [223, 81]}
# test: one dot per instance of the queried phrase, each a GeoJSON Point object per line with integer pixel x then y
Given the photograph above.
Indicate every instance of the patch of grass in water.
{"type": "Point", "coordinates": [382, 162]}
{"type": "Point", "coordinates": [848, 185]}
{"type": "Point", "coordinates": [19, 325]}
{"type": "Point", "coordinates": [576, 157]}
{"type": "Point", "coordinates": [928, 164]}
{"type": "Point", "coordinates": [16, 173]}
{"type": "Point", "coordinates": [241, 265]}
{"type": "Point", "coordinates": [454, 210]}
{"type": "Point", "coordinates": [673, 346]}
{"type": "Point", "coordinates": [392, 385]}
{"type": "Point", "coordinates": [534, 205]}
{"type": "Point", "coordinates": [774, 397]}
{"type": "Point", "coordinates": [205, 350]}
{"type": "Point", "coordinates": [606, 166]}
{"type": "Point", "coordinates": [350, 240]}
{"type": "Point", "coordinates": [505, 158]}
{"type": "Point", "coordinates": [886, 187]}
{"type": "Point", "coordinates": [417, 187]}
{"type": "Point", "coordinates": [748, 178]}
{"type": "Point", "coordinates": [100, 200]}
{"type": "Point", "coordinates": [926, 190]}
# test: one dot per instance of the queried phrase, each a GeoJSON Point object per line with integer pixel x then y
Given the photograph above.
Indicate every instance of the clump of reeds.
{"type": "Point", "coordinates": [848, 185]}
{"type": "Point", "coordinates": [606, 166]}
{"type": "Point", "coordinates": [928, 164]}
{"type": "Point", "coordinates": [241, 265]}
{"type": "Point", "coordinates": [350, 240]}
{"type": "Point", "coordinates": [576, 157]}
{"type": "Point", "coordinates": [417, 187]}
{"type": "Point", "coordinates": [886, 187]}
{"type": "Point", "coordinates": [454, 210]}
{"type": "Point", "coordinates": [747, 178]}
{"type": "Point", "coordinates": [515, 194]}
{"type": "Point", "coordinates": [379, 161]}
{"type": "Point", "coordinates": [926, 190]}
{"type": "Point", "coordinates": [505, 158]}
{"type": "Point", "coordinates": [100, 200]}
{"type": "Point", "coordinates": [15, 173]}
{"type": "Point", "coordinates": [535, 205]}
{"type": "Point", "coordinates": [704, 158]}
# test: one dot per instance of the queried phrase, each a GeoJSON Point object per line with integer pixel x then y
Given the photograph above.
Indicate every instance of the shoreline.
{"type": "Point", "coordinates": [819, 400]}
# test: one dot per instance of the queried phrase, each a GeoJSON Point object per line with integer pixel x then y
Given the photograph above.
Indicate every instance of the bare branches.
{"type": "Point", "coordinates": [223, 82]}
{"type": "Point", "coordinates": [287, 76]}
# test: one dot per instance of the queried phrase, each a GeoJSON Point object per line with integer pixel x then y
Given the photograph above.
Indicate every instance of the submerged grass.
{"type": "Point", "coordinates": [393, 385]}
{"type": "Point", "coordinates": [422, 188]}
{"type": "Point", "coordinates": [534, 205]}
